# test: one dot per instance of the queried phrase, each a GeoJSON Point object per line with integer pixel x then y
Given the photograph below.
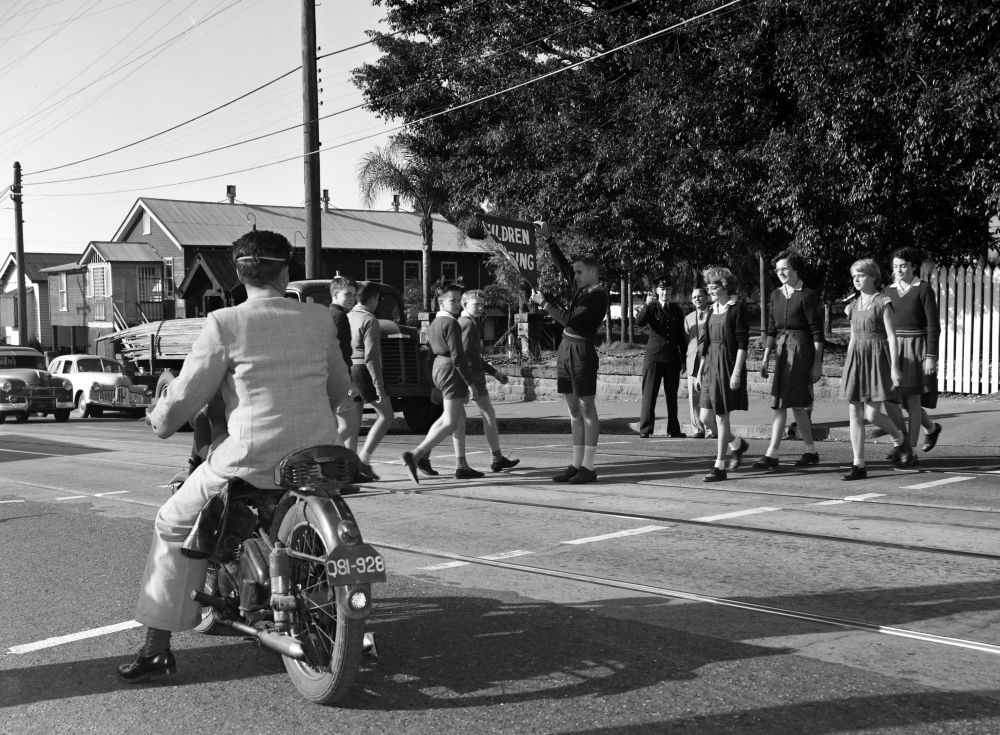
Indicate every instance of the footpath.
{"type": "Point", "coordinates": [971, 422]}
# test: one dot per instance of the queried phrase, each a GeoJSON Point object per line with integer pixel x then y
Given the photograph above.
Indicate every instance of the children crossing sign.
{"type": "Point", "coordinates": [518, 242]}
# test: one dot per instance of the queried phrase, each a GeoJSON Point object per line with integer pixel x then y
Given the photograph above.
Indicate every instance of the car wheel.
{"type": "Point", "coordinates": [3, 417]}
{"type": "Point", "coordinates": [21, 417]}
{"type": "Point", "coordinates": [82, 410]}
{"type": "Point", "coordinates": [62, 415]}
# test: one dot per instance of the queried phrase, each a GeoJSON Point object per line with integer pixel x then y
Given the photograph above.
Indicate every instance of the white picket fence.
{"type": "Point", "coordinates": [969, 353]}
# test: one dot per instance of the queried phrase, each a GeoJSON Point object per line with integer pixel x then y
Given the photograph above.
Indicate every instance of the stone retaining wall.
{"type": "Point", "coordinates": [539, 383]}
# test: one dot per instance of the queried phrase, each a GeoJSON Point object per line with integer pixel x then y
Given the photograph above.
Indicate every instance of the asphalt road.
{"type": "Point", "coordinates": [648, 602]}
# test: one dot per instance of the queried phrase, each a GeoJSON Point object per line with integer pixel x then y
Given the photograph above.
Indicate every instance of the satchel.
{"type": "Point", "coordinates": [929, 398]}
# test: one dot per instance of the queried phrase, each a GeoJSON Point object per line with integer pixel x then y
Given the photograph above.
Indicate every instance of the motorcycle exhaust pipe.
{"type": "Point", "coordinates": [281, 644]}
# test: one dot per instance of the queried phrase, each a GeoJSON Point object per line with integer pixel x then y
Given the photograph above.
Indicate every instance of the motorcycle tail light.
{"type": "Point", "coordinates": [348, 532]}
{"type": "Point", "coordinates": [358, 600]}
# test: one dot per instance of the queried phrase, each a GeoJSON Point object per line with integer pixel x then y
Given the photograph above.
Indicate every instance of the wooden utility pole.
{"type": "Point", "coordinates": [22, 301]}
{"type": "Point", "coordinates": [310, 115]}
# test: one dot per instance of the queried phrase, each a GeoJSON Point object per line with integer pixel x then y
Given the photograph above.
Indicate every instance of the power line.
{"type": "Point", "coordinates": [155, 49]}
{"type": "Point", "coordinates": [165, 131]}
{"type": "Point", "coordinates": [478, 62]}
{"type": "Point", "coordinates": [53, 25]}
{"type": "Point", "coordinates": [61, 26]}
{"type": "Point", "coordinates": [444, 111]}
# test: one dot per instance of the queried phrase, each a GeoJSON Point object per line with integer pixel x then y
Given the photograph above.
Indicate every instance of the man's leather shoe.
{"type": "Point", "coordinates": [146, 668]}
{"type": "Point", "coordinates": [411, 466]}
{"type": "Point", "coordinates": [807, 458]}
{"type": "Point", "coordinates": [366, 473]}
{"type": "Point", "coordinates": [737, 459]}
{"type": "Point", "coordinates": [424, 465]}
{"type": "Point", "coordinates": [566, 475]}
{"type": "Point", "coordinates": [467, 473]}
{"type": "Point", "coordinates": [930, 439]}
{"type": "Point", "coordinates": [583, 476]}
{"type": "Point", "coordinates": [349, 490]}
{"type": "Point", "coordinates": [766, 463]}
{"type": "Point", "coordinates": [716, 475]}
{"type": "Point", "coordinates": [677, 435]}
{"type": "Point", "coordinates": [503, 464]}
{"type": "Point", "coordinates": [856, 473]}
{"type": "Point", "coordinates": [698, 435]}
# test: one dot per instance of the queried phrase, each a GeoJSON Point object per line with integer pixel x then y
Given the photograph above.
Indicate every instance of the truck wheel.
{"type": "Point", "coordinates": [61, 415]}
{"type": "Point", "coordinates": [21, 416]}
{"type": "Point", "coordinates": [420, 413]}
{"type": "Point", "coordinates": [3, 417]}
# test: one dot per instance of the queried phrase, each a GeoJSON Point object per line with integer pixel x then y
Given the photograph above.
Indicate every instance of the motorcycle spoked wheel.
{"type": "Point", "coordinates": [331, 638]}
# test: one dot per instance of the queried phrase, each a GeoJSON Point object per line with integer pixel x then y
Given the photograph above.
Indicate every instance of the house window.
{"type": "Point", "coordinates": [168, 278]}
{"type": "Point", "coordinates": [411, 271]}
{"type": "Point", "coordinates": [147, 228]}
{"type": "Point", "coordinates": [63, 300]}
{"type": "Point", "coordinates": [373, 270]}
{"type": "Point", "coordinates": [150, 283]}
{"type": "Point", "coordinates": [99, 280]}
{"type": "Point", "coordinates": [449, 271]}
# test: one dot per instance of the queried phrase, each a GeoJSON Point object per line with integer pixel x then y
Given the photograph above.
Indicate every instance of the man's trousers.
{"type": "Point", "coordinates": [654, 373]}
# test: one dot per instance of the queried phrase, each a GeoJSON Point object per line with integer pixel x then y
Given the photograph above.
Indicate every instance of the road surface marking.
{"type": "Point", "coordinates": [736, 514]}
{"type": "Point", "coordinates": [112, 492]}
{"type": "Point", "coordinates": [60, 640]}
{"type": "Point", "coordinates": [695, 597]}
{"type": "Point", "coordinates": [851, 499]}
{"type": "Point", "coordinates": [72, 497]}
{"type": "Point", "coordinates": [616, 534]}
{"type": "Point", "coordinates": [11, 501]}
{"type": "Point", "coordinates": [488, 557]}
{"type": "Point", "coordinates": [935, 483]}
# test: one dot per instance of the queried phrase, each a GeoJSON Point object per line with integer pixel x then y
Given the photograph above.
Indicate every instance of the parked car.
{"type": "Point", "coordinates": [405, 363]}
{"type": "Point", "coordinates": [101, 384]}
{"type": "Point", "coordinates": [26, 387]}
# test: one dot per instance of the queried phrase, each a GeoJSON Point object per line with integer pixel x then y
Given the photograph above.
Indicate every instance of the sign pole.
{"type": "Point", "coordinates": [22, 301]}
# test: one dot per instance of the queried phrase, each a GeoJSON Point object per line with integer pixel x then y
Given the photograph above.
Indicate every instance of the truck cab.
{"type": "Point", "coordinates": [405, 362]}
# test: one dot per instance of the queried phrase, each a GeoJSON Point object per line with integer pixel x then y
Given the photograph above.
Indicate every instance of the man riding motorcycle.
{"type": "Point", "coordinates": [270, 357]}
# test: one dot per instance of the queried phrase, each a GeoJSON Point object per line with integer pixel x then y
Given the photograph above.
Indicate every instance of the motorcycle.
{"type": "Point", "coordinates": [288, 568]}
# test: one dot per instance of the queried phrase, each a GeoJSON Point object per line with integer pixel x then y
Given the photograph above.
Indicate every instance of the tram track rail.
{"type": "Point", "coordinates": [665, 592]}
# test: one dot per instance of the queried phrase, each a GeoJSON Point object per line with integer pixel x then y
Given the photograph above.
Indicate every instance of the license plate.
{"type": "Point", "coordinates": [358, 564]}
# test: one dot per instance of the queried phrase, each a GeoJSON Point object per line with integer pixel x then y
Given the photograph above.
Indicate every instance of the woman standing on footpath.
{"type": "Point", "coordinates": [795, 335]}
{"type": "Point", "coordinates": [871, 371]}
{"type": "Point", "coordinates": [722, 378]}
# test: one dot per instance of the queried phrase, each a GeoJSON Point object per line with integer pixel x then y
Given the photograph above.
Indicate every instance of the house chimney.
{"type": "Point", "coordinates": [231, 193]}
{"type": "Point", "coordinates": [326, 200]}
{"type": "Point", "coordinates": [395, 202]}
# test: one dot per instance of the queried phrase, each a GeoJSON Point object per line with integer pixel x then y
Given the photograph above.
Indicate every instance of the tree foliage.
{"type": "Point", "coordinates": [842, 128]}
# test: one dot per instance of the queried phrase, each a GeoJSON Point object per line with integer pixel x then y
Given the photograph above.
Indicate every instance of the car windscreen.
{"type": "Point", "coordinates": [89, 366]}
{"type": "Point", "coordinates": [22, 361]}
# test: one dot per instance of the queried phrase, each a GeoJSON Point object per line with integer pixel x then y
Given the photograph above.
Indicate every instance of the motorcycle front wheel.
{"type": "Point", "coordinates": [333, 641]}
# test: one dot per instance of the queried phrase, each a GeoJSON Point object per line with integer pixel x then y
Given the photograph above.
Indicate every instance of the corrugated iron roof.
{"type": "Point", "coordinates": [125, 252]}
{"type": "Point", "coordinates": [35, 262]}
{"type": "Point", "coordinates": [214, 224]}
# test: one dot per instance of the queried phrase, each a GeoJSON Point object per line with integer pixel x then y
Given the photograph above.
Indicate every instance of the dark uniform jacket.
{"type": "Point", "coordinates": [667, 338]}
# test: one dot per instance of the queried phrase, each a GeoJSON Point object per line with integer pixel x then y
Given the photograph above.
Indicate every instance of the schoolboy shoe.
{"type": "Point", "coordinates": [716, 475]}
{"type": "Point", "coordinates": [467, 473]}
{"type": "Point", "coordinates": [503, 464]}
{"type": "Point", "coordinates": [411, 466]}
{"type": "Point", "coordinates": [424, 465]}
{"type": "Point", "coordinates": [856, 473]}
{"type": "Point", "coordinates": [930, 440]}
{"type": "Point", "coordinates": [807, 459]}
{"type": "Point", "coordinates": [766, 463]}
{"type": "Point", "coordinates": [583, 476]}
{"type": "Point", "coordinates": [737, 459]}
{"type": "Point", "coordinates": [566, 475]}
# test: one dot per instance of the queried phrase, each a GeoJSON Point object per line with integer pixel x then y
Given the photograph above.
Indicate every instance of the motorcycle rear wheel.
{"type": "Point", "coordinates": [333, 638]}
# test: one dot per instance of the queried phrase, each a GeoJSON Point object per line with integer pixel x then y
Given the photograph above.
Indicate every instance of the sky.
{"type": "Point", "coordinates": [80, 78]}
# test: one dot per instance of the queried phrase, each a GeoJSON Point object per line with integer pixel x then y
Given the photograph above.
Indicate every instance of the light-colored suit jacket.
{"type": "Point", "coordinates": [274, 360]}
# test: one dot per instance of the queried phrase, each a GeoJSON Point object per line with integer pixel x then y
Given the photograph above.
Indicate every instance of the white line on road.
{"type": "Point", "coordinates": [60, 640]}
{"type": "Point", "coordinates": [11, 501]}
{"type": "Point", "coordinates": [851, 499]}
{"type": "Point", "coordinates": [935, 483]}
{"type": "Point", "coordinates": [735, 514]}
{"type": "Point", "coordinates": [488, 557]}
{"type": "Point", "coordinates": [71, 497]}
{"type": "Point", "coordinates": [616, 534]}
{"type": "Point", "coordinates": [111, 492]}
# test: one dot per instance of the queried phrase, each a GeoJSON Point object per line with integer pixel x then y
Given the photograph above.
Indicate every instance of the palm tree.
{"type": "Point", "coordinates": [396, 169]}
